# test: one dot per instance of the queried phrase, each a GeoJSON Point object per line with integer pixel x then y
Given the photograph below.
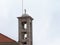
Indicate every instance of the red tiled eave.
{"type": "Point", "coordinates": [4, 38]}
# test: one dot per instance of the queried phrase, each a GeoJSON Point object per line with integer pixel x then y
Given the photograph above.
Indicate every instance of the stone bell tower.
{"type": "Point", "coordinates": [25, 29]}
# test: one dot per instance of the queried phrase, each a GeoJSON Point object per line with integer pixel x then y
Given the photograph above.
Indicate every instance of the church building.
{"type": "Point", "coordinates": [24, 32]}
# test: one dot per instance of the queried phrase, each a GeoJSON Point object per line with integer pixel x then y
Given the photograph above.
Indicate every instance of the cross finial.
{"type": "Point", "coordinates": [25, 11]}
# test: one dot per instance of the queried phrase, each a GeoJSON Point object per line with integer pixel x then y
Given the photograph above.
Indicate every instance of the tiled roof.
{"type": "Point", "coordinates": [4, 38]}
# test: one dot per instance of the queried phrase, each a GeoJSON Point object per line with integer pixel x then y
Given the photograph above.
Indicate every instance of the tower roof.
{"type": "Point", "coordinates": [25, 15]}
{"type": "Point", "coordinates": [4, 38]}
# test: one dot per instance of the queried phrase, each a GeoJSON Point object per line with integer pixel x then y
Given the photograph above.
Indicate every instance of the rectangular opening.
{"type": "Point", "coordinates": [24, 35]}
{"type": "Point", "coordinates": [24, 25]}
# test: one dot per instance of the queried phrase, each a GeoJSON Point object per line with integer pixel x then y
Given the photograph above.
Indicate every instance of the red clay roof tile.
{"type": "Point", "coordinates": [4, 38]}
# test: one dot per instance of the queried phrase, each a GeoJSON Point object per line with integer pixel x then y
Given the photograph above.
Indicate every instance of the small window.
{"type": "Point", "coordinates": [25, 36]}
{"type": "Point", "coordinates": [24, 25]}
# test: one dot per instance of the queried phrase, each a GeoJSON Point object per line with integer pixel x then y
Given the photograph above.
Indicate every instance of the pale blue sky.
{"type": "Point", "coordinates": [46, 23]}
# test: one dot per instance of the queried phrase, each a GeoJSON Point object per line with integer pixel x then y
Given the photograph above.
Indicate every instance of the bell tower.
{"type": "Point", "coordinates": [25, 29]}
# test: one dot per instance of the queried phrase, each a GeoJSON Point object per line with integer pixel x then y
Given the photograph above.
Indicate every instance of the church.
{"type": "Point", "coordinates": [24, 32]}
